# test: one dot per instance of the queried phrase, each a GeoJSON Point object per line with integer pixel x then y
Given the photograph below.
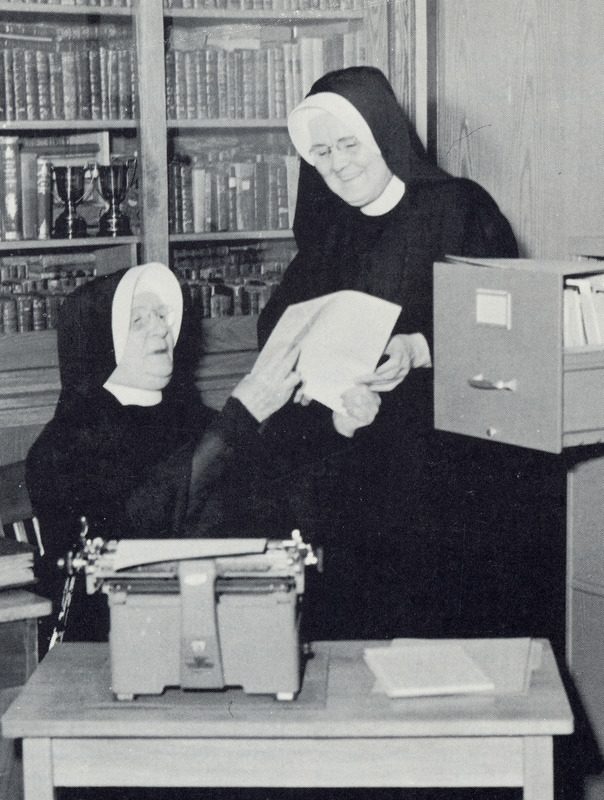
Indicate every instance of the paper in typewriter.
{"type": "Point", "coordinates": [341, 337]}
{"type": "Point", "coordinates": [136, 552]}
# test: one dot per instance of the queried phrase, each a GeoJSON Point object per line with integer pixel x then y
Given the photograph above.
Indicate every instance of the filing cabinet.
{"type": "Point", "coordinates": [501, 369]}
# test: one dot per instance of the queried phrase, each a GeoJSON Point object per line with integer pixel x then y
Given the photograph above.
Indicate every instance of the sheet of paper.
{"type": "Point", "coordinates": [341, 337]}
{"type": "Point", "coordinates": [507, 662]}
{"type": "Point", "coordinates": [415, 670]}
{"type": "Point", "coordinates": [134, 552]}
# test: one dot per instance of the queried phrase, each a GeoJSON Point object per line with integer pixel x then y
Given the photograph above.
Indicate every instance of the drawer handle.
{"type": "Point", "coordinates": [480, 382]}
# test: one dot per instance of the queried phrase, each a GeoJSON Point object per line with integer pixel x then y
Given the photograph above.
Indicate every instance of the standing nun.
{"type": "Point", "coordinates": [413, 542]}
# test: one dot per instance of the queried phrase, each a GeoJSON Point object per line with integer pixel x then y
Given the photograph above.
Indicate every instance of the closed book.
{"type": "Point", "coordinates": [43, 73]}
{"type": "Point", "coordinates": [201, 98]}
{"type": "Point", "coordinates": [245, 215]}
{"type": "Point", "coordinates": [261, 84]}
{"type": "Point", "coordinates": [32, 103]}
{"type": "Point", "coordinates": [198, 197]}
{"type": "Point", "coordinates": [29, 194]}
{"type": "Point", "coordinates": [248, 90]}
{"type": "Point", "coordinates": [261, 169]}
{"type": "Point", "coordinates": [238, 84]}
{"type": "Point", "coordinates": [186, 196]}
{"type": "Point", "coordinates": [221, 83]}
{"type": "Point", "coordinates": [211, 55]}
{"type": "Point", "coordinates": [11, 188]}
{"type": "Point", "coordinates": [133, 84]}
{"type": "Point", "coordinates": [19, 82]}
{"type": "Point", "coordinates": [9, 84]}
{"type": "Point", "coordinates": [231, 84]}
{"type": "Point", "coordinates": [2, 91]}
{"type": "Point", "coordinates": [70, 85]}
{"type": "Point", "coordinates": [175, 196]}
{"type": "Point", "coordinates": [180, 85]}
{"type": "Point", "coordinates": [113, 86]}
{"type": "Point", "coordinates": [83, 82]}
{"type": "Point", "coordinates": [124, 82]}
{"type": "Point", "coordinates": [43, 198]}
{"type": "Point", "coordinates": [190, 77]}
{"type": "Point", "coordinates": [56, 86]}
{"type": "Point", "coordinates": [288, 77]}
{"type": "Point", "coordinates": [94, 68]}
{"type": "Point", "coordinates": [170, 81]}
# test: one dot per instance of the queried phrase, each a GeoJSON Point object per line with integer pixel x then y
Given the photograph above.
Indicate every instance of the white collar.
{"type": "Point", "coordinates": [391, 196]}
{"type": "Point", "coordinates": [130, 396]}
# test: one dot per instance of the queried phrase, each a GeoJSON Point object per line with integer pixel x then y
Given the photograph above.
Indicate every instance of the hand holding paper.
{"type": "Point", "coordinates": [341, 338]}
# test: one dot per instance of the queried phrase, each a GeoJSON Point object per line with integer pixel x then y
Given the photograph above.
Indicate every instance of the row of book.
{"type": "Point", "coordinates": [217, 298]}
{"type": "Point", "coordinates": [264, 82]}
{"type": "Point", "coordinates": [270, 5]}
{"type": "Point", "coordinates": [584, 311]}
{"type": "Point", "coordinates": [87, 80]}
{"type": "Point", "coordinates": [231, 194]}
{"type": "Point", "coordinates": [232, 262]}
{"type": "Point", "coordinates": [32, 288]}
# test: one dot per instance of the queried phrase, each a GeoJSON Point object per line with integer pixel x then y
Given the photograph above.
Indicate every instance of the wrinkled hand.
{"type": "Point", "coordinates": [361, 406]}
{"type": "Point", "coordinates": [267, 388]}
{"type": "Point", "coordinates": [405, 351]}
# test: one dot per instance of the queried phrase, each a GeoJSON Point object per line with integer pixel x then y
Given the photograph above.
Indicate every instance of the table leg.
{"type": "Point", "coordinates": [37, 770]}
{"type": "Point", "coordinates": [538, 768]}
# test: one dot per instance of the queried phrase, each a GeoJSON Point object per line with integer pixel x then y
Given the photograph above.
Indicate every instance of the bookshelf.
{"type": "Point", "coordinates": [386, 33]}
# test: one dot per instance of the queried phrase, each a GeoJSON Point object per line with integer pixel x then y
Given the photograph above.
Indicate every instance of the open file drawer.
{"type": "Point", "coordinates": [500, 366]}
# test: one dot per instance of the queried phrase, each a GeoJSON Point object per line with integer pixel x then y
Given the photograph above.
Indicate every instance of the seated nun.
{"type": "Point", "coordinates": [131, 446]}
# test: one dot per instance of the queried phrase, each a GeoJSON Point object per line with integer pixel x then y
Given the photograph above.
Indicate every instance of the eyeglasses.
{"type": "Point", "coordinates": [143, 317]}
{"type": "Point", "coordinates": [321, 153]}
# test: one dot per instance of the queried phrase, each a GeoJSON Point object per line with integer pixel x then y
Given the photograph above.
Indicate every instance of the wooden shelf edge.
{"type": "Point", "coordinates": [223, 122]}
{"type": "Point", "coordinates": [307, 16]}
{"type": "Point", "coordinates": [67, 124]}
{"type": "Point", "coordinates": [227, 236]}
{"type": "Point", "coordinates": [67, 244]}
{"type": "Point", "coordinates": [56, 9]}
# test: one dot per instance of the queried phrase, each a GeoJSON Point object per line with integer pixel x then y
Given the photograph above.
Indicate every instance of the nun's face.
{"type": "Point", "coordinates": [351, 169]}
{"type": "Point", "coordinates": [148, 355]}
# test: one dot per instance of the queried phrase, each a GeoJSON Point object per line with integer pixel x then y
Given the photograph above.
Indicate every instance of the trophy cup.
{"type": "Point", "coordinates": [114, 183]}
{"type": "Point", "coordinates": [70, 186]}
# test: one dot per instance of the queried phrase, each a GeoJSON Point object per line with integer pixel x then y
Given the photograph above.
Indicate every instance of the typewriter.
{"type": "Point", "coordinates": [200, 613]}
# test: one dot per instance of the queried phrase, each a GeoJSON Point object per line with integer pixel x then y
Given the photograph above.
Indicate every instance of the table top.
{"type": "Point", "coordinates": [69, 695]}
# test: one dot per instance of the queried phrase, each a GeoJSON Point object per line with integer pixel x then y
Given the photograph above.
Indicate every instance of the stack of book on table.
{"type": "Point", "coordinates": [16, 563]}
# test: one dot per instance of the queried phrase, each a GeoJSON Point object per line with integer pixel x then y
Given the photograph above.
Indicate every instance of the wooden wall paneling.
{"type": "Point", "coordinates": [519, 110]}
{"type": "Point", "coordinates": [376, 31]}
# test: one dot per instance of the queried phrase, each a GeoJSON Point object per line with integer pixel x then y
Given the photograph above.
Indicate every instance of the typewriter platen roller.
{"type": "Point", "coordinates": [201, 613]}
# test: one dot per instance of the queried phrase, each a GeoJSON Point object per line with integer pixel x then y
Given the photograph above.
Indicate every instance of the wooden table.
{"type": "Point", "coordinates": [19, 614]}
{"type": "Point", "coordinates": [337, 733]}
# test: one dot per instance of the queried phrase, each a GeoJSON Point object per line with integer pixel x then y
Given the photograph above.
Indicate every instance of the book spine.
{"type": "Point", "coordinates": [170, 82]}
{"type": "Point", "coordinates": [70, 87]}
{"type": "Point", "coordinates": [261, 84]}
{"type": "Point", "coordinates": [190, 85]}
{"type": "Point", "coordinates": [83, 82]}
{"type": "Point", "coordinates": [113, 88]}
{"type": "Point", "coordinates": [221, 83]}
{"type": "Point", "coordinates": [180, 85]}
{"type": "Point", "coordinates": [201, 99]}
{"type": "Point", "coordinates": [133, 84]}
{"type": "Point", "coordinates": [104, 70]}
{"type": "Point", "coordinates": [198, 198]}
{"type": "Point", "coordinates": [32, 102]}
{"type": "Point", "coordinates": [2, 90]}
{"type": "Point", "coordinates": [9, 84]}
{"type": "Point", "coordinates": [56, 86]}
{"type": "Point", "coordinates": [43, 73]}
{"type": "Point", "coordinates": [212, 82]}
{"type": "Point", "coordinates": [44, 199]}
{"type": "Point", "coordinates": [248, 85]}
{"type": "Point", "coordinates": [19, 81]}
{"type": "Point", "coordinates": [11, 195]}
{"type": "Point", "coordinates": [231, 85]}
{"type": "Point", "coordinates": [94, 68]}
{"type": "Point", "coordinates": [186, 197]}
{"type": "Point", "coordinates": [29, 208]}
{"type": "Point", "coordinates": [124, 80]}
